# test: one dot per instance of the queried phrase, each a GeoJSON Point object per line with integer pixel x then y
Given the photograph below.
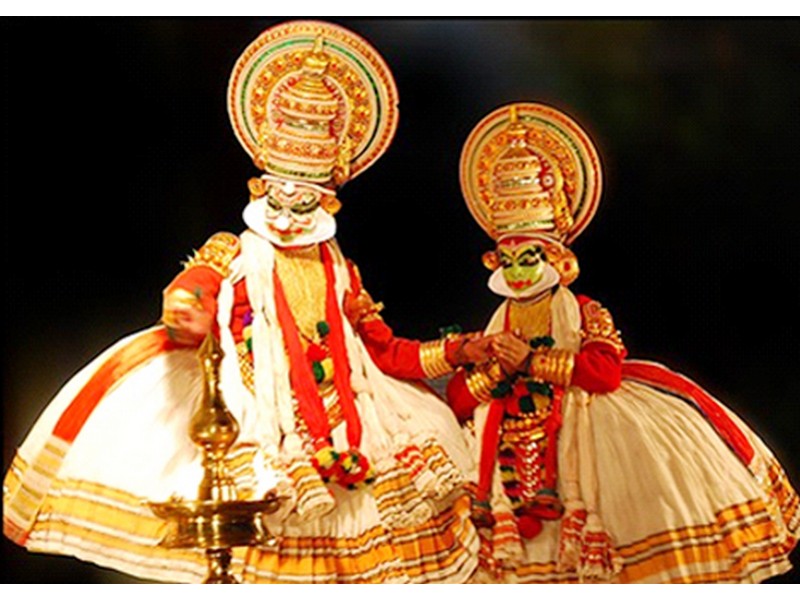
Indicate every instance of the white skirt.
{"type": "Point", "coordinates": [661, 498]}
{"type": "Point", "coordinates": [86, 496]}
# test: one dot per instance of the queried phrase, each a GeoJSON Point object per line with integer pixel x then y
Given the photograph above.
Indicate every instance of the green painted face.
{"type": "Point", "coordinates": [522, 264]}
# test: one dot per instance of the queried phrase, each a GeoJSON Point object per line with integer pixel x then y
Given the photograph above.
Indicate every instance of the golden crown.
{"type": "Point", "coordinates": [312, 101]}
{"type": "Point", "coordinates": [528, 168]}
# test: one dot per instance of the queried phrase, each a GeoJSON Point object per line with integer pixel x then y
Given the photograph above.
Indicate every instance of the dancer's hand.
{"type": "Point", "coordinates": [358, 307]}
{"type": "Point", "coordinates": [186, 320]}
{"type": "Point", "coordinates": [512, 352]}
{"type": "Point", "coordinates": [471, 348]}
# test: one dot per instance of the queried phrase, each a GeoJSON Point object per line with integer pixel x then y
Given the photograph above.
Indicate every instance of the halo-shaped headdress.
{"type": "Point", "coordinates": [530, 169]}
{"type": "Point", "coordinates": [312, 101]}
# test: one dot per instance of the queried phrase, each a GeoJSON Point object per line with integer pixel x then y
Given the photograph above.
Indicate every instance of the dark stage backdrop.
{"type": "Point", "coordinates": [118, 160]}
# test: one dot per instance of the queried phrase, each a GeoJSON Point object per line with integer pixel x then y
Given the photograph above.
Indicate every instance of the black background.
{"type": "Point", "coordinates": [118, 160]}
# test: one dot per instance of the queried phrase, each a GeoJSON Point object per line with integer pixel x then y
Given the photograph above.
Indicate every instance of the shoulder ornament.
{"type": "Point", "coordinates": [598, 326]}
{"type": "Point", "coordinates": [217, 253]}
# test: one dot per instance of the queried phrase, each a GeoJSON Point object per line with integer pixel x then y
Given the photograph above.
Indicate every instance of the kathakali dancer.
{"type": "Point", "coordinates": [591, 466]}
{"type": "Point", "coordinates": [373, 464]}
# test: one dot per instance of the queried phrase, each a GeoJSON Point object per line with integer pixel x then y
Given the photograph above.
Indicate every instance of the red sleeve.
{"type": "Point", "coordinates": [598, 368]}
{"type": "Point", "coordinates": [398, 357]}
{"type": "Point", "coordinates": [598, 365]}
{"type": "Point", "coordinates": [460, 399]}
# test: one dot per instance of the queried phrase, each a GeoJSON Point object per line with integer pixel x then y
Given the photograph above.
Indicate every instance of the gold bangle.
{"type": "Point", "coordinates": [433, 360]}
{"type": "Point", "coordinates": [553, 366]}
{"type": "Point", "coordinates": [483, 379]}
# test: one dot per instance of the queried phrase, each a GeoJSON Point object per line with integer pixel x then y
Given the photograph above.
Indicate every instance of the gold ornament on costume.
{"type": "Point", "coordinates": [312, 101]}
{"type": "Point", "coordinates": [217, 253]}
{"type": "Point", "coordinates": [597, 325]}
{"type": "Point", "coordinates": [528, 168]}
{"type": "Point", "coordinates": [563, 260]}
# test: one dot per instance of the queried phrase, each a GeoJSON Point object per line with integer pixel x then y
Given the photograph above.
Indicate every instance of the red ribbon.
{"type": "Point", "coordinates": [309, 402]}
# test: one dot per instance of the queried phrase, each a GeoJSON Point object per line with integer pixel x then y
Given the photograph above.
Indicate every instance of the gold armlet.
{"type": "Point", "coordinates": [553, 366]}
{"type": "Point", "coordinates": [433, 360]}
{"type": "Point", "coordinates": [483, 379]}
{"type": "Point", "coordinates": [598, 326]}
{"type": "Point", "coordinates": [217, 253]}
{"type": "Point", "coordinates": [175, 300]}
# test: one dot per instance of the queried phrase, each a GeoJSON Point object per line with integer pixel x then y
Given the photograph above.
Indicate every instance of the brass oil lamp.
{"type": "Point", "coordinates": [218, 520]}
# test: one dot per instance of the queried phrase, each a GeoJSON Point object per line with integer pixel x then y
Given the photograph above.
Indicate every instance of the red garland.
{"type": "Point", "coordinates": [302, 379]}
{"type": "Point", "coordinates": [304, 386]}
{"type": "Point", "coordinates": [341, 366]}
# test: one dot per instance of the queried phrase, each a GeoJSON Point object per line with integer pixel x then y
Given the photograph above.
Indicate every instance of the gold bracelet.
{"type": "Point", "coordinates": [553, 366]}
{"type": "Point", "coordinates": [433, 360]}
{"type": "Point", "coordinates": [483, 379]}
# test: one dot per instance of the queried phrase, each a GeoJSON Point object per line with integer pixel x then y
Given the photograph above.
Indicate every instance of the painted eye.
{"type": "Point", "coordinates": [273, 203]}
{"type": "Point", "coordinates": [303, 208]}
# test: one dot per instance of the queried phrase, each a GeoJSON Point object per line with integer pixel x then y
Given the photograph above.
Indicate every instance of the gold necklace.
{"type": "Point", "coordinates": [531, 318]}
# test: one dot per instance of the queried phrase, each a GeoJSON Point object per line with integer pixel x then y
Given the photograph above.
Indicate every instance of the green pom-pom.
{"type": "Point", "coordinates": [542, 341]}
{"type": "Point", "coordinates": [323, 328]}
{"type": "Point", "coordinates": [450, 330]}
{"type": "Point", "coordinates": [318, 370]}
{"type": "Point", "coordinates": [501, 389]}
{"type": "Point", "coordinates": [249, 344]}
{"type": "Point", "coordinates": [526, 404]}
{"type": "Point", "coordinates": [537, 387]}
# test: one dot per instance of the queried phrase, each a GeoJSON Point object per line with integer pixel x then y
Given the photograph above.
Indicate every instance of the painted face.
{"type": "Point", "coordinates": [291, 209]}
{"type": "Point", "coordinates": [522, 263]}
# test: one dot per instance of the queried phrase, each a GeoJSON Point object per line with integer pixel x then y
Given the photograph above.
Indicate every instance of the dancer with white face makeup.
{"type": "Point", "coordinates": [591, 467]}
{"type": "Point", "coordinates": [322, 390]}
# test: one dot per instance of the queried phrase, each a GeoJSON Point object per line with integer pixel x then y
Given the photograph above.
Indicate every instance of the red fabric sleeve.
{"type": "Point", "coordinates": [598, 368]}
{"type": "Point", "coordinates": [460, 399]}
{"type": "Point", "coordinates": [398, 357]}
{"type": "Point", "coordinates": [598, 365]}
{"type": "Point", "coordinates": [204, 283]}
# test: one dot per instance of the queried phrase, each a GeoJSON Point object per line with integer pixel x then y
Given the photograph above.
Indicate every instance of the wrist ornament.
{"type": "Point", "coordinates": [433, 358]}
{"type": "Point", "coordinates": [482, 380]}
{"type": "Point", "coordinates": [552, 365]}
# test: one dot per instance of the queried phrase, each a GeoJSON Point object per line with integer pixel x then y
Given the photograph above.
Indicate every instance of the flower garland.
{"type": "Point", "coordinates": [326, 361]}
{"type": "Point", "coordinates": [516, 396]}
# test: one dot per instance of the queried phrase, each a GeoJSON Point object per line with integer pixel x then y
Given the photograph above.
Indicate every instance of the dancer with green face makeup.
{"type": "Point", "coordinates": [592, 467]}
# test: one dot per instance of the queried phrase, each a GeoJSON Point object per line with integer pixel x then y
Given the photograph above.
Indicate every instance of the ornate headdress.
{"type": "Point", "coordinates": [312, 102]}
{"type": "Point", "coordinates": [528, 169]}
